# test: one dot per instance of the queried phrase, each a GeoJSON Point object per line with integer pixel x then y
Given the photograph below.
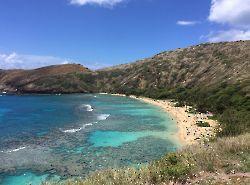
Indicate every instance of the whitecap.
{"type": "Point", "coordinates": [72, 130]}
{"type": "Point", "coordinates": [78, 129]}
{"type": "Point", "coordinates": [88, 124]}
{"type": "Point", "coordinates": [103, 116]}
{"type": "Point", "coordinates": [88, 107]}
{"type": "Point", "coordinates": [14, 150]}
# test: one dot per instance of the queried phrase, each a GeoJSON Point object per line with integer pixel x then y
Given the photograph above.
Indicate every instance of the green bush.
{"type": "Point", "coordinates": [202, 124]}
{"type": "Point", "coordinates": [175, 166]}
{"type": "Point", "coordinates": [179, 104]}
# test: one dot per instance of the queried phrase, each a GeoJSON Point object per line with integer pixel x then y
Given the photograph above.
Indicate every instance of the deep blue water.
{"type": "Point", "coordinates": [49, 137]}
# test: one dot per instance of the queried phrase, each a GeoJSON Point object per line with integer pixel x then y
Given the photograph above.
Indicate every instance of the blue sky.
{"type": "Point", "coordinates": [99, 33]}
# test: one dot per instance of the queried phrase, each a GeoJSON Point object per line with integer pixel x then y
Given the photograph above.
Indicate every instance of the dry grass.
{"type": "Point", "coordinates": [224, 161]}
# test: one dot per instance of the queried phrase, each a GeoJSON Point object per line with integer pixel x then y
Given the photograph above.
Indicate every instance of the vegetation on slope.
{"type": "Point", "coordinates": [196, 66]}
{"type": "Point", "coordinates": [225, 161]}
{"type": "Point", "coordinates": [68, 78]}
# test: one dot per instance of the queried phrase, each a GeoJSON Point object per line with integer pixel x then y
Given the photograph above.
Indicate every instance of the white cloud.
{"type": "Point", "coordinates": [16, 61]}
{"type": "Point", "coordinates": [97, 65]}
{"type": "Point", "coordinates": [229, 35]}
{"type": "Point", "coordinates": [186, 23]}
{"type": "Point", "coordinates": [235, 13]}
{"type": "Point", "coordinates": [20, 61]}
{"type": "Point", "coordinates": [98, 2]}
{"type": "Point", "coordinates": [232, 13]}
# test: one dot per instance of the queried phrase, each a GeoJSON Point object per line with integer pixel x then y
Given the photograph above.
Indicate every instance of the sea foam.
{"type": "Point", "coordinates": [88, 107]}
{"type": "Point", "coordinates": [14, 150]}
{"type": "Point", "coordinates": [103, 116]}
{"type": "Point", "coordinates": [78, 129]}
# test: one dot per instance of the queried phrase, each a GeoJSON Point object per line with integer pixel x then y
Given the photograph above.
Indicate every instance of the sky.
{"type": "Point", "coordinates": [101, 33]}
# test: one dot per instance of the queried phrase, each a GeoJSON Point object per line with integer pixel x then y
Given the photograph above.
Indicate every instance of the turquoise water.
{"type": "Point", "coordinates": [29, 178]}
{"type": "Point", "coordinates": [113, 138]}
{"type": "Point", "coordinates": [52, 138]}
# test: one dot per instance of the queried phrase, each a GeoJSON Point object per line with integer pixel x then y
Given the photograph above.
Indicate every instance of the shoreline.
{"type": "Point", "coordinates": [188, 132]}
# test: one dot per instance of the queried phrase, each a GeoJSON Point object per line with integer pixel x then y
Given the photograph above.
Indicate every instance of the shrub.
{"type": "Point", "coordinates": [202, 124]}
{"type": "Point", "coordinates": [174, 166]}
{"type": "Point", "coordinates": [179, 104]}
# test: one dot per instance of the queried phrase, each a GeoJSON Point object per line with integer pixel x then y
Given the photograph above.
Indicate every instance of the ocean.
{"type": "Point", "coordinates": [52, 138]}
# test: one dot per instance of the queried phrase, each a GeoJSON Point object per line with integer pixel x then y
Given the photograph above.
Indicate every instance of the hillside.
{"type": "Point", "coordinates": [67, 78]}
{"type": "Point", "coordinates": [196, 66]}
{"type": "Point", "coordinates": [201, 65]}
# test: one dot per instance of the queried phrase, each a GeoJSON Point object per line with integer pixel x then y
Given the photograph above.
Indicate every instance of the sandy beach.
{"type": "Point", "coordinates": [188, 131]}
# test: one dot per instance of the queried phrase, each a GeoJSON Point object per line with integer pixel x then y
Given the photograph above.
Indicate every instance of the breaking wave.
{"type": "Point", "coordinates": [88, 107]}
{"type": "Point", "coordinates": [14, 150]}
{"type": "Point", "coordinates": [77, 129]}
{"type": "Point", "coordinates": [103, 116]}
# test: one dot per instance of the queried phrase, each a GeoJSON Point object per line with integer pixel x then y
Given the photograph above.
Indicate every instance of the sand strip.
{"type": "Point", "coordinates": [188, 131]}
